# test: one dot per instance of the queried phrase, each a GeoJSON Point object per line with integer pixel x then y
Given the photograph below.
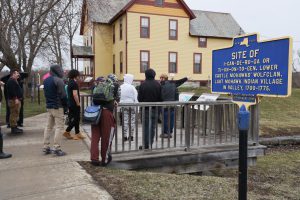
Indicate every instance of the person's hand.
{"type": "Point", "coordinates": [2, 83]}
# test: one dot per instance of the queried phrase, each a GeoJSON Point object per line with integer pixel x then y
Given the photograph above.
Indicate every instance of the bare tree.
{"type": "Point", "coordinates": [61, 38]}
{"type": "Point", "coordinates": [72, 17]}
{"type": "Point", "coordinates": [24, 27]}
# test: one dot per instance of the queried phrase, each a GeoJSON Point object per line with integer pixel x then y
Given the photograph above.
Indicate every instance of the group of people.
{"type": "Point", "coordinates": [62, 99]}
{"type": "Point", "coordinates": [149, 91]}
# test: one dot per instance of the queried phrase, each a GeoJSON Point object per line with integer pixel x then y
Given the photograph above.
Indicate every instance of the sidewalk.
{"type": "Point", "coordinates": [30, 175]}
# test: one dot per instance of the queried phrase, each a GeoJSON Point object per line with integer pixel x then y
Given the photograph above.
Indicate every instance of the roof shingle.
{"type": "Point", "coordinates": [214, 24]}
{"type": "Point", "coordinates": [208, 24]}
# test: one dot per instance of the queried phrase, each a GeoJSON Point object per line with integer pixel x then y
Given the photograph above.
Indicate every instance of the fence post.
{"type": "Point", "coordinates": [187, 126]}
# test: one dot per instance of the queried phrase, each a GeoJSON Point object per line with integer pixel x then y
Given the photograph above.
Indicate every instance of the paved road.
{"type": "Point", "coordinates": [31, 175]}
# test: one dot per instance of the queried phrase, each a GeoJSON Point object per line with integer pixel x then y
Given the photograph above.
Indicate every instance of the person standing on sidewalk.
{"type": "Point", "coordinates": [128, 95]}
{"type": "Point", "coordinates": [149, 91]}
{"type": "Point", "coordinates": [2, 154]}
{"type": "Point", "coordinates": [74, 106]}
{"type": "Point", "coordinates": [107, 123]}
{"type": "Point", "coordinates": [14, 96]}
{"type": "Point", "coordinates": [56, 103]}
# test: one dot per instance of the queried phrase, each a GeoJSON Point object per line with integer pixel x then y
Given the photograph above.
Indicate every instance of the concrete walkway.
{"type": "Point", "coordinates": [30, 175]}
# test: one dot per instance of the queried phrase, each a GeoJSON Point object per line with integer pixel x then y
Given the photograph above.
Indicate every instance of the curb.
{"type": "Point", "coordinates": [284, 140]}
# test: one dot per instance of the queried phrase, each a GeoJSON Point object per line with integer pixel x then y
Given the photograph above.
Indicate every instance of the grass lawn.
{"type": "Point", "coordinates": [30, 108]}
{"type": "Point", "coordinates": [276, 176]}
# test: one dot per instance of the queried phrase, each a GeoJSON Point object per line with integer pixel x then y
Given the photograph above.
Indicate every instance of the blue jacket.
{"type": "Point", "coordinates": [54, 89]}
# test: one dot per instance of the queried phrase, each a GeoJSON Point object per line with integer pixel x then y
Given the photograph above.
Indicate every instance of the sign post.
{"type": "Point", "coordinates": [249, 70]}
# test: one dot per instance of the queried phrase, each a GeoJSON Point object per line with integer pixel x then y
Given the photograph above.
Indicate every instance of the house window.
{"type": "Point", "coordinates": [121, 62]}
{"type": "Point", "coordinates": [145, 27]}
{"type": "Point", "coordinates": [173, 62]}
{"type": "Point", "coordinates": [121, 29]}
{"type": "Point", "coordinates": [114, 64]}
{"type": "Point", "coordinates": [159, 3]}
{"type": "Point", "coordinates": [114, 33]}
{"type": "Point", "coordinates": [197, 63]}
{"type": "Point", "coordinates": [144, 61]}
{"type": "Point", "coordinates": [173, 29]}
{"type": "Point", "coordinates": [202, 42]}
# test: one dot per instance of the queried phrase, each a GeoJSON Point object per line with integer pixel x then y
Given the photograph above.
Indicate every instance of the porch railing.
{"type": "Point", "coordinates": [196, 124]}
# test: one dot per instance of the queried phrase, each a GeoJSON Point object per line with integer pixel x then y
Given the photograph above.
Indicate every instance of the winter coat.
{"type": "Point", "coordinates": [128, 92]}
{"type": "Point", "coordinates": [150, 89]}
{"type": "Point", "coordinates": [54, 89]}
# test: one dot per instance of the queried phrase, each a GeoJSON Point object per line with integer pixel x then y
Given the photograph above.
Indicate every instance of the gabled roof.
{"type": "Point", "coordinates": [105, 11]}
{"type": "Point", "coordinates": [102, 11]}
{"type": "Point", "coordinates": [203, 23]}
{"type": "Point", "coordinates": [214, 24]}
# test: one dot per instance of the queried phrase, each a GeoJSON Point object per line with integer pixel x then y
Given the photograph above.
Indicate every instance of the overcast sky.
{"type": "Point", "coordinates": [270, 18]}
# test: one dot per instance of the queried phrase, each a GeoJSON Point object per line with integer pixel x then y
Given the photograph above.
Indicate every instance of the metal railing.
{"type": "Point", "coordinates": [196, 124]}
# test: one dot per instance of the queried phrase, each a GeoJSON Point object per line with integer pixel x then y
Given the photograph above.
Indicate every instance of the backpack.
{"type": "Point", "coordinates": [169, 91]}
{"type": "Point", "coordinates": [92, 115]}
{"type": "Point", "coordinates": [103, 93]}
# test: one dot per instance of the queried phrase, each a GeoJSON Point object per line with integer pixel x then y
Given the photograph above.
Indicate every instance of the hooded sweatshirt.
{"type": "Point", "coordinates": [54, 89]}
{"type": "Point", "coordinates": [150, 89]}
{"type": "Point", "coordinates": [128, 91]}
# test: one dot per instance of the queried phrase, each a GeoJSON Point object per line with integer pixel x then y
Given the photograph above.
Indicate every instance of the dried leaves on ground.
{"type": "Point", "coordinates": [276, 176]}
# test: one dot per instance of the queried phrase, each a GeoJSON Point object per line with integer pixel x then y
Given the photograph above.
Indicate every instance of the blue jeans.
{"type": "Point", "coordinates": [149, 136]}
{"type": "Point", "coordinates": [166, 121]}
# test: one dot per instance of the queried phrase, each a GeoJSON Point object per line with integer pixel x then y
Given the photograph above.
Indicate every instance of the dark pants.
{"type": "Point", "coordinates": [74, 119]}
{"type": "Point", "coordinates": [167, 120]}
{"type": "Point", "coordinates": [149, 134]}
{"type": "Point", "coordinates": [104, 130]}
{"type": "Point", "coordinates": [1, 142]}
{"type": "Point", "coordinates": [21, 114]}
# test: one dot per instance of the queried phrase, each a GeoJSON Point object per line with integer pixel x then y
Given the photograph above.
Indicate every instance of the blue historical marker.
{"type": "Point", "coordinates": [247, 70]}
{"type": "Point", "coordinates": [250, 68]}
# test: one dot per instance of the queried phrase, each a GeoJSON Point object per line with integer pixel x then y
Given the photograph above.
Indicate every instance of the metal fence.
{"type": "Point", "coordinates": [196, 124]}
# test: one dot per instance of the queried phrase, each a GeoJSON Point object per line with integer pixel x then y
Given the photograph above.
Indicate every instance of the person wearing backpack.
{"type": "Point", "coordinates": [106, 94]}
{"type": "Point", "coordinates": [149, 91]}
{"type": "Point", "coordinates": [128, 95]}
{"type": "Point", "coordinates": [74, 106]}
{"type": "Point", "coordinates": [169, 92]}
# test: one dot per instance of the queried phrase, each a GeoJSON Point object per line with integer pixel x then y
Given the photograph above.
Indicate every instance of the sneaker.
{"type": "Point", "coordinates": [96, 163]}
{"type": "Point", "coordinates": [109, 159]}
{"type": "Point", "coordinates": [15, 130]}
{"type": "Point", "coordinates": [141, 147]}
{"type": "Point", "coordinates": [47, 150]}
{"type": "Point", "coordinates": [67, 135]}
{"type": "Point", "coordinates": [59, 152]}
{"type": "Point", "coordinates": [78, 136]}
{"type": "Point", "coordinates": [5, 155]}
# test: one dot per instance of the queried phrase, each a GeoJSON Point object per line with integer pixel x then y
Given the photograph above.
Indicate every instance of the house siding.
{"type": "Point", "coordinates": [119, 46]}
{"type": "Point", "coordinates": [103, 50]}
{"type": "Point", "coordinates": [159, 46]}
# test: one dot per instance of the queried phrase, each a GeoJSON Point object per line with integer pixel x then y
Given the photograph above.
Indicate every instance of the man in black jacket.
{"type": "Point", "coordinates": [14, 96]}
{"type": "Point", "coordinates": [169, 93]}
{"type": "Point", "coordinates": [149, 91]}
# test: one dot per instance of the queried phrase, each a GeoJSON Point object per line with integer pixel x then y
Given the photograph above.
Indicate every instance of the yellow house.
{"type": "Point", "coordinates": [129, 36]}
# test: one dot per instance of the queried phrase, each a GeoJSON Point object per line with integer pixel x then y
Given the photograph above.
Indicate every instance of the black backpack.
{"type": "Point", "coordinates": [169, 91]}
